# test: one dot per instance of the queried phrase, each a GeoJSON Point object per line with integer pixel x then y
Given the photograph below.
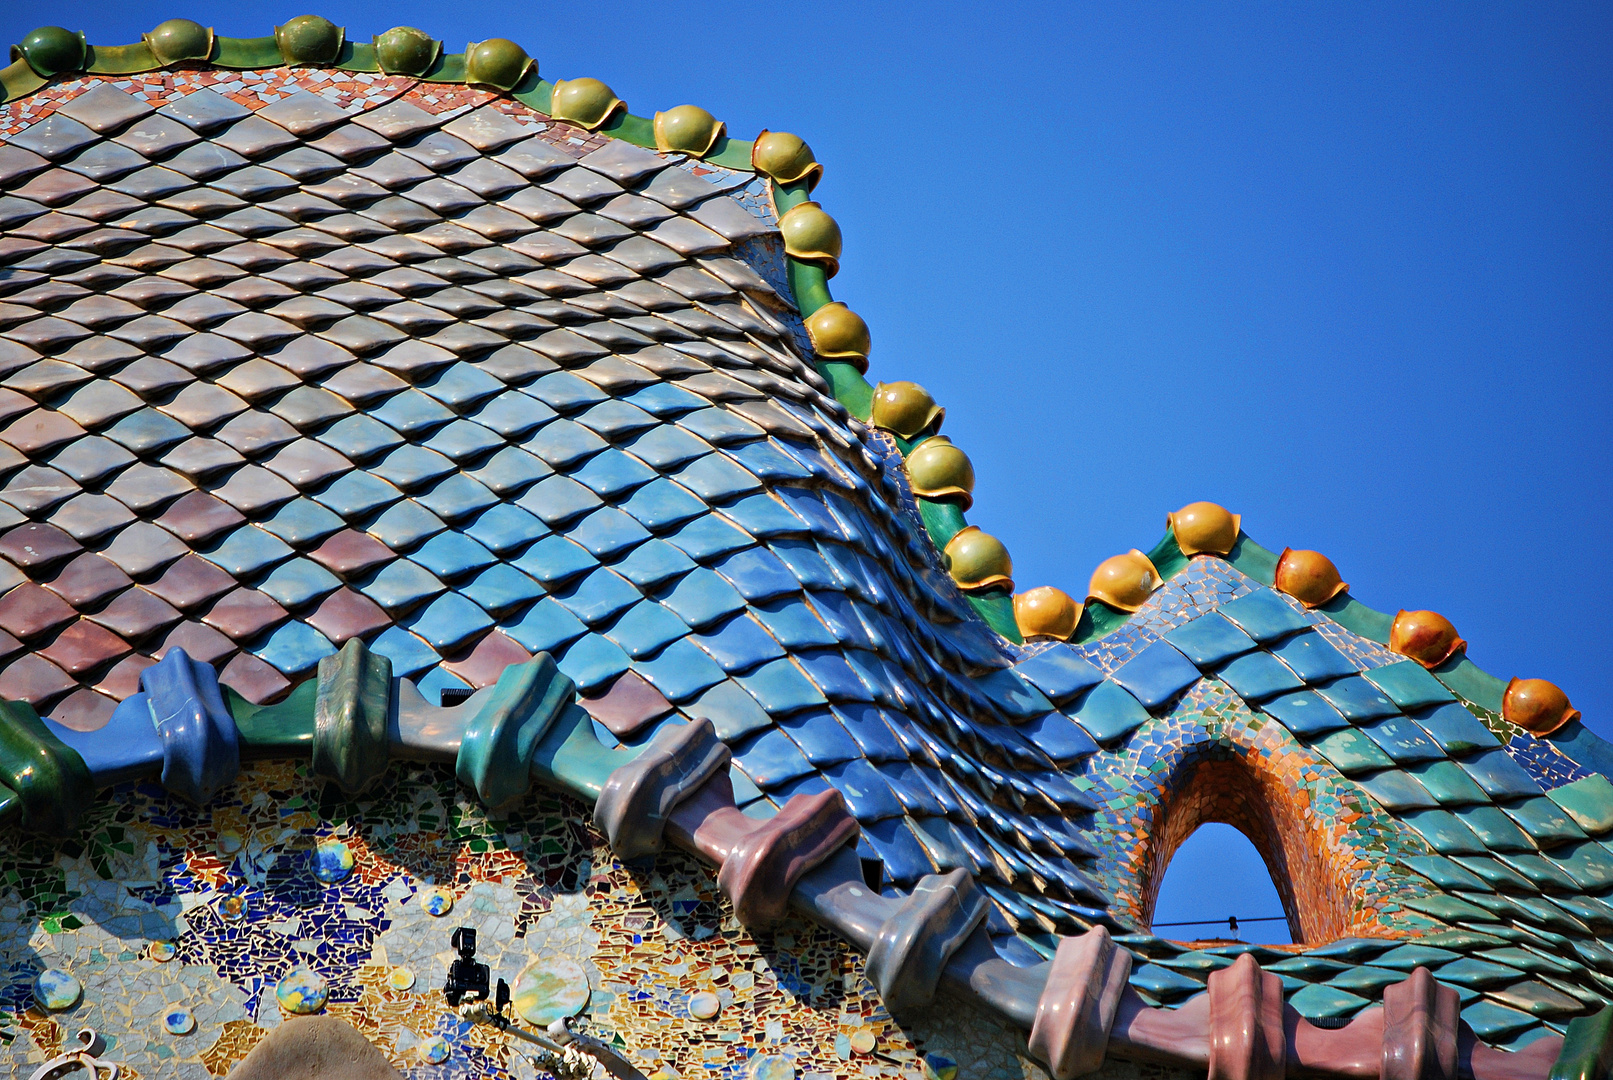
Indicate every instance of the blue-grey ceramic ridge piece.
{"type": "Point", "coordinates": [916, 941]}
{"type": "Point", "coordinates": [127, 747]}
{"type": "Point", "coordinates": [200, 745]}
{"type": "Point", "coordinates": [495, 750]}
{"type": "Point", "coordinates": [637, 799]}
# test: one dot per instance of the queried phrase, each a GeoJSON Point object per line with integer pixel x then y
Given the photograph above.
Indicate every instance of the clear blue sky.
{"type": "Point", "coordinates": [1344, 268]}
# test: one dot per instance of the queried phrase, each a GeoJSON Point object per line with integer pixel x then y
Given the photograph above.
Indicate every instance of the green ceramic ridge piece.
{"type": "Point", "coordinates": [809, 283]}
{"type": "Point", "coordinates": [19, 79]}
{"type": "Point", "coordinates": [539, 96]}
{"type": "Point", "coordinates": [996, 606]}
{"type": "Point", "coordinates": [275, 731]}
{"type": "Point", "coordinates": [1587, 1052]}
{"type": "Point", "coordinates": [450, 68]}
{"type": "Point", "coordinates": [1253, 560]}
{"type": "Point", "coordinates": [1098, 620]}
{"type": "Point", "coordinates": [632, 129]}
{"type": "Point", "coordinates": [121, 59]}
{"type": "Point", "coordinates": [731, 153]}
{"type": "Point", "coordinates": [242, 54]}
{"type": "Point", "coordinates": [571, 757]}
{"type": "Point", "coordinates": [495, 752]}
{"type": "Point", "coordinates": [1167, 557]}
{"type": "Point", "coordinates": [848, 386]}
{"type": "Point", "coordinates": [943, 520]}
{"type": "Point", "coordinates": [1357, 618]}
{"type": "Point", "coordinates": [1471, 683]}
{"type": "Point", "coordinates": [52, 784]}
{"type": "Point", "coordinates": [1589, 801]}
{"type": "Point", "coordinates": [358, 56]}
{"type": "Point", "coordinates": [350, 717]}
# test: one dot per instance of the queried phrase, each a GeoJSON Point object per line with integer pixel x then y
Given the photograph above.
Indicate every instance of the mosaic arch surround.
{"type": "Point", "coordinates": [419, 510]}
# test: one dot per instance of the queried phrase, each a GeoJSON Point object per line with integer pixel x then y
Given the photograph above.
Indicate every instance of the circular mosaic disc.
{"type": "Point", "coordinates": [862, 1041]}
{"type": "Point", "coordinates": [56, 989]}
{"type": "Point", "coordinates": [302, 991]}
{"type": "Point", "coordinates": [401, 978]}
{"type": "Point", "coordinates": [333, 861]}
{"type": "Point", "coordinates": [162, 951]}
{"type": "Point", "coordinates": [434, 1050]}
{"type": "Point", "coordinates": [550, 989]}
{"type": "Point", "coordinates": [437, 900]}
{"type": "Point", "coordinates": [233, 908]}
{"type": "Point", "coordinates": [772, 1067]}
{"type": "Point", "coordinates": [179, 1021]}
{"type": "Point", "coordinates": [229, 842]}
{"type": "Point", "coordinates": [704, 1005]}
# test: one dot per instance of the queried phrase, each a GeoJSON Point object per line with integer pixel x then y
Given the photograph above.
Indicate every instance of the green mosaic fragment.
{"type": "Point", "coordinates": [1351, 752]}
{"type": "Point", "coordinates": [1589, 801]}
{"type": "Point", "coordinates": [1448, 783]}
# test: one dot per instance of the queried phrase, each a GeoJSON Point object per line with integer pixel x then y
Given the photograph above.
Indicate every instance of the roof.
{"type": "Point", "coordinates": [347, 385]}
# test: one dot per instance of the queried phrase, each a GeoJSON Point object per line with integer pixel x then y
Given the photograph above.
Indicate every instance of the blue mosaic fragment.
{"type": "Point", "coordinates": [1357, 699]}
{"type": "Point", "coordinates": [1059, 673]}
{"type": "Point", "coordinates": [405, 524]}
{"type": "Point", "coordinates": [1402, 740]}
{"type": "Point", "coordinates": [452, 554]}
{"type": "Point", "coordinates": [502, 588]}
{"type": "Point", "coordinates": [739, 644]}
{"type": "Point", "coordinates": [661, 504]}
{"type": "Point", "coordinates": [615, 419]}
{"type": "Point", "coordinates": [504, 528]}
{"type": "Point", "coordinates": [294, 648]}
{"type": "Point", "coordinates": [1107, 712]}
{"type": "Point", "coordinates": [1310, 656]}
{"type": "Point", "coordinates": [702, 598]}
{"type": "Point", "coordinates": [411, 413]}
{"type": "Point", "coordinates": [1156, 675]}
{"type": "Point", "coordinates": [771, 759]}
{"type": "Point", "coordinates": [514, 414]}
{"type": "Point", "coordinates": [457, 496]}
{"type": "Point", "coordinates": [1456, 730]}
{"type": "Point", "coordinates": [449, 621]}
{"type": "Point", "coordinates": [758, 574]}
{"type": "Point", "coordinates": [597, 597]}
{"type": "Point", "coordinates": [718, 478]}
{"type": "Point", "coordinates": [246, 551]}
{"type": "Point", "coordinates": [462, 440]}
{"type": "Point", "coordinates": [765, 517]}
{"type": "Point", "coordinates": [607, 533]}
{"type": "Point", "coordinates": [666, 400]}
{"type": "Point", "coordinates": [1258, 675]}
{"type": "Point", "coordinates": [302, 523]}
{"type": "Point", "coordinates": [400, 585]}
{"type": "Point", "coordinates": [359, 437]}
{"type": "Point", "coordinates": [667, 447]}
{"type": "Point", "coordinates": [731, 711]}
{"type": "Point", "coordinates": [1305, 713]}
{"type": "Point", "coordinates": [545, 627]}
{"type": "Point", "coordinates": [646, 629]}
{"type": "Point", "coordinates": [868, 796]}
{"type": "Point", "coordinates": [412, 467]}
{"type": "Point", "coordinates": [564, 443]}
{"type": "Point", "coordinates": [1409, 685]}
{"type": "Point", "coordinates": [558, 500]}
{"type": "Point", "coordinates": [295, 583]}
{"type": "Point", "coordinates": [681, 671]}
{"type": "Point", "coordinates": [867, 725]}
{"type": "Point", "coordinates": [709, 537]}
{"type": "Point", "coordinates": [1264, 615]}
{"type": "Point", "coordinates": [511, 470]}
{"type": "Point", "coordinates": [613, 473]}
{"type": "Point", "coordinates": [1499, 775]}
{"type": "Point", "coordinates": [653, 564]}
{"type": "Point", "coordinates": [555, 559]}
{"type": "Point", "coordinates": [834, 676]}
{"type": "Point", "coordinates": [358, 493]}
{"type": "Point", "coordinates": [1059, 737]}
{"type": "Point", "coordinates": [593, 661]}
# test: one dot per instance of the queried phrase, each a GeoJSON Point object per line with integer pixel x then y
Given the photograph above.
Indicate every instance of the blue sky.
{"type": "Point", "coordinates": [1343, 268]}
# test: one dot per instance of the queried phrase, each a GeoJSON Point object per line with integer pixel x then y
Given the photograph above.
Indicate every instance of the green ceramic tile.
{"type": "Point", "coordinates": [1589, 863]}
{"type": "Point", "coordinates": [1447, 907]}
{"type": "Point", "coordinates": [1162, 982]}
{"type": "Point", "coordinates": [1409, 685]}
{"type": "Point", "coordinates": [1396, 790]}
{"type": "Point", "coordinates": [1537, 999]}
{"type": "Point", "coordinates": [1367, 979]}
{"type": "Point", "coordinates": [1489, 1020]}
{"type": "Point", "coordinates": [1589, 910]}
{"type": "Point", "coordinates": [1496, 874]}
{"type": "Point", "coordinates": [1543, 913]}
{"type": "Point", "coordinates": [1444, 832]}
{"type": "Point", "coordinates": [1407, 957]}
{"type": "Point", "coordinates": [1351, 752]}
{"type": "Point", "coordinates": [1545, 820]}
{"type": "Point", "coordinates": [1589, 802]}
{"type": "Point", "coordinates": [1495, 829]}
{"type": "Point", "coordinates": [1446, 873]}
{"type": "Point", "coordinates": [1525, 960]}
{"type": "Point", "coordinates": [1448, 783]}
{"type": "Point", "coordinates": [1477, 974]}
{"type": "Point", "coordinates": [1310, 968]}
{"type": "Point", "coordinates": [1541, 874]}
{"type": "Point", "coordinates": [1328, 1001]}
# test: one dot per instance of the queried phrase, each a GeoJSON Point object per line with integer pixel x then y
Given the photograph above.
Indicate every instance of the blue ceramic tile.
{"type": "Point", "coordinates": [1312, 658]}
{"type": "Point", "coordinates": [1258, 675]}
{"type": "Point", "coordinates": [1402, 739]}
{"type": "Point", "coordinates": [294, 648]}
{"type": "Point", "coordinates": [511, 471]}
{"type": "Point", "coordinates": [438, 679]}
{"type": "Point", "coordinates": [701, 598]}
{"type": "Point", "coordinates": [463, 440]}
{"type": "Point", "coordinates": [706, 538]}
{"type": "Point", "coordinates": [449, 621]}
{"type": "Point", "coordinates": [740, 644]}
{"type": "Point", "coordinates": [720, 427]}
{"type": "Point", "coordinates": [557, 500]}
{"type": "Point", "coordinates": [1107, 712]}
{"type": "Point", "coordinates": [1408, 685]}
{"type": "Point", "coordinates": [456, 497]}
{"type": "Point", "coordinates": [246, 551]}
{"type": "Point", "coordinates": [1499, 775]}
{"type": "Point", "coordinates": [1264, 615]}
{"type": "Point", "coordinates": [358, 493]}
{"type": "Point", "coordinates": [564, 444]}
{"type": "Point", "coordinates": [409, 655]}
{"type": "Point", "coordinates": [653, 564]}
{"type": "Point", "coordinates": [1456, 730]}
{"type": "Point", "coordinates": [660, 505]}
{"type": "Point", "coordinates": [504, 529]}
{"type": "Point", "coordinates": [793, 623]}
{"type": "Point", "coordinates": [1059, 673]}
{"type": "Point", "coordinates": [613, 473]}
{"type": "Point", "coordinates": [1015, 695]}
{"type": "Point", "coordinates": [646, 628]}
{"type": "Point", "coordinates": [545, 627]}
{"type": "Point", "coordinates": [555, 559]}
{"type": "Point", "coordinates": [836, 611]}
{"type": "Point", "coordinates": [597, 597]}
{"type": "Point", "coordinates": [1357, 699]}
{"type": "Point", "coordinates": [758, 574]}
{"type": "Point", "coordinates": [806, 563]}
{"type": "Point", "coordinates": [821, 738]}
{"type": "Point", "coordinates": [1157, 674]}
{"type": "Point", "coordinates": [829, 670]}
{"type": "Point", "coordinates": [718, 478]}
{"type": "Point", "coordinates": [502, 588]}
{"type": "Point", "coordinates": [1305, 713]}
{"type": "Point", "coordinates": [412, 467]}
{"type": "Point", "coordinates": [147, 432]}
{"type": "Point", "coordinates": [302, 523]}
{"type": "Point", "coordinates": [880, 678]}
{"type": "Point", "coordinates": [593, 661]}
{"type": "Point", "coordinates": [771, 759]}
{"type": "Point", "coordinates": [808, 506]}
{"type": "Point", "coordinates": [565, 392]}
{"type": "Point", "coordinates": [666, 400]}
{"type": "Point", "coordinates": [405, 524]}
{"type": "Point", "coordinates": [732, 711]}
{"type": "Point", "coordinates": [911, 790]}
{"type": "Point", "coordinates": [745, 789]}
{"type": "Point", "coordinates": [668, 447]}
{"type": "Point", "coordinates": [780, 687]}
{"type": "Point", "coordinates": [450, 555]}
{"type": "Point", "coordinates": [295, 583]}
{"type": "Point", "coordinates": [607, 533]}
{"type": "Point", "coordinates": [769, 462]}
{"type": "Point", "coordinates": [1059, 737]}
{"type": "Point", "coordinates": [682, 671]}
{"type": "Point", "coordinates": [868, 796]}
{"type": "Point", "coordinates": [411, 413]}
{"type": "Point", "coordinates": [360, 437]}
{"type": "Point", "coordinates": [765, 517]}
{"type": "Point", "coordinates": [617, 420]}
{"type": "Point", "coordinates": [514, 415]}
{"type": "Point", "coordinates": [461, 386]}
{"type": "Point", "coordinates": [400, 585]}
{"type": "Point", "coordinates": [819, 466]}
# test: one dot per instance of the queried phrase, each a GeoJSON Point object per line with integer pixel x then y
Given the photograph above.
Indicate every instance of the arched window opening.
{"type": "Point", "coordinates": [1215, 874]}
